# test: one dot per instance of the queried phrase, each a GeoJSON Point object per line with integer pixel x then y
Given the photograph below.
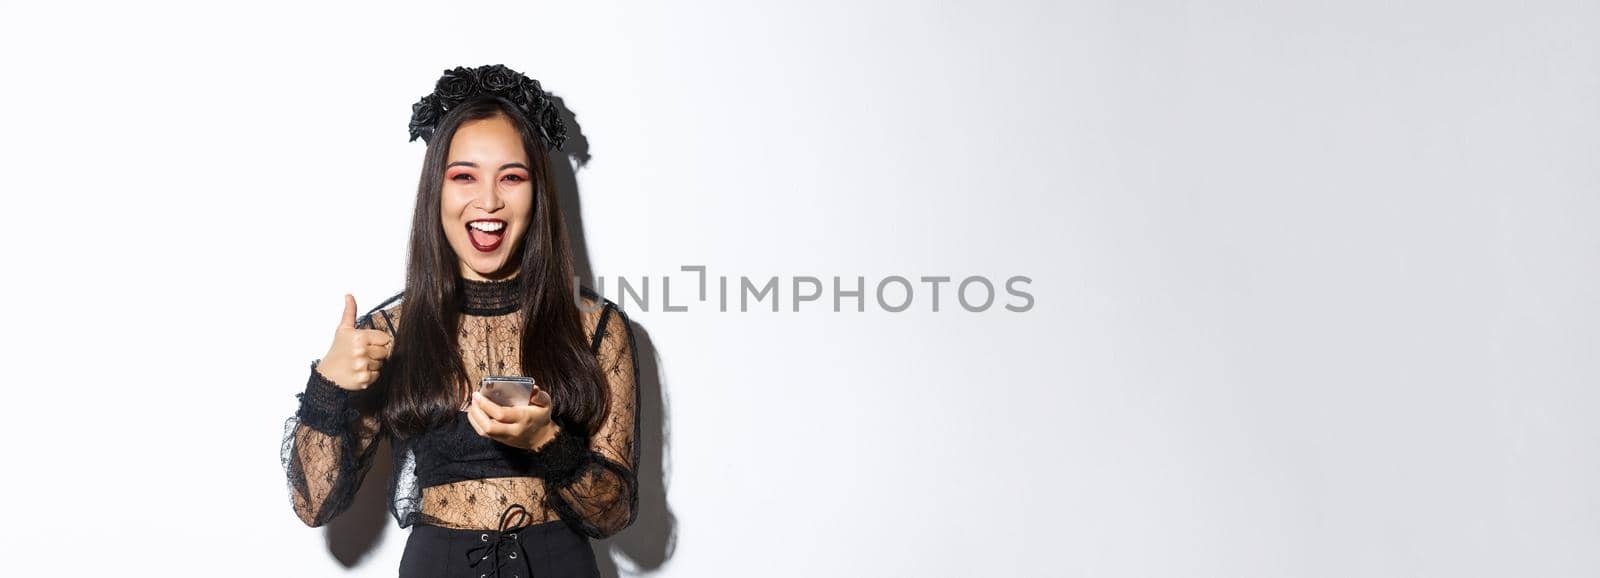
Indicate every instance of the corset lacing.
{"type": "Point", "coordinates": [502, 544]}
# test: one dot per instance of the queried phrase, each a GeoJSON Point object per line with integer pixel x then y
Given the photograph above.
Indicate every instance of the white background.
{"type": "Point", "coordinates": [1315, 281]}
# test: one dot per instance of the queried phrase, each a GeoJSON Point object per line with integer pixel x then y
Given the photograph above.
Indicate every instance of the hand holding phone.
{"type": "Point", "coordinates": [511, 410]}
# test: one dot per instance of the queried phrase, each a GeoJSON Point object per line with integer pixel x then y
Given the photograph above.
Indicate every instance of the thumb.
{"type": "Point", "coordinates": [349, 319]}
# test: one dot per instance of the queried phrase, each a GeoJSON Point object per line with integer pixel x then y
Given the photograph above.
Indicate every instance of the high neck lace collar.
{"type": "Point", "coordinates": [489, 297]}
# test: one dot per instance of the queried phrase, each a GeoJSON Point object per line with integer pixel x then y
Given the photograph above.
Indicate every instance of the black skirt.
{"type": "Point", "coordinates": [546, 550]}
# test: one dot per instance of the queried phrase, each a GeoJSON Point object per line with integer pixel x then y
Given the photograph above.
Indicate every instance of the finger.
{"type": "Point", "coordinates": [472, 418]}
{"type": "Point", "coordinates": [373, 366]}
{"type": "Point", "coordinates": [349, 319]}
{"type": "Point", "coordinates": [378, 352]}
{"type": "Point", "coordinates": [374, 337]}
{"type": "Point", "coordinates": [486, 426]}
{"type": "Point", "coordinates": [514, 416]}
{"type": "Point", "coordinates": [495, 411]}
{"type": "Point", "coordinates": [540, 398]}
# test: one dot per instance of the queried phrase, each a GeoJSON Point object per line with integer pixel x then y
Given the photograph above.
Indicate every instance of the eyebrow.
{"type": "Point", "coordinates": [502, 167]}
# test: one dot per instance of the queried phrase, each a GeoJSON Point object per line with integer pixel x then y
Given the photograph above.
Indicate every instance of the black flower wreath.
{"type": "Point", "coordinates": [459, 85]}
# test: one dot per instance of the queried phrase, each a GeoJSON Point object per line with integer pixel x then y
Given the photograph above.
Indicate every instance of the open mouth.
{"type": "Point", "coordinates": [486, 234]}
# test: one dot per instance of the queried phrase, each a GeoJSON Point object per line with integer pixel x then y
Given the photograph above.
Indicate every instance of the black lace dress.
{"type": "Point", "coordinates": [450, 477]}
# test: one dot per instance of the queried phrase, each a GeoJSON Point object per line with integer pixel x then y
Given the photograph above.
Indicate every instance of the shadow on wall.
{"type": "Point", "coordinates": [652, 538]}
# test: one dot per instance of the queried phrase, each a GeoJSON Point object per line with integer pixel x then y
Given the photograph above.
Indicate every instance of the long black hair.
{"type": "Point", "coordinates": [426, 376]}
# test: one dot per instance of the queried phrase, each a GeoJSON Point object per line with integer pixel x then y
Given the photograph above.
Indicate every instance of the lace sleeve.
{"type": "Point", "coordinates": [598, 493]}
{"type": "Point", "coordinates": [329, 445]}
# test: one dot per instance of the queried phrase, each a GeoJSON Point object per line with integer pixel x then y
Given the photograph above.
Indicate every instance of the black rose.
{"type": "Point", "coordinates": [455, 86]}
{"type": "Point", "coordinates": [554, 129]}
{"type": "Point", "coordinates": [518, 96]}
{"type": "Point", "coordinates": [528, 95]}
{"type": "Point", "coordinates": [498, 79]}
{"type": "Point", "coordinates": [424, 116]}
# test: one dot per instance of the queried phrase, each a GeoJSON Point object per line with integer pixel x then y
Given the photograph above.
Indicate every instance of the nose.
{"type": "Point", "coordinates": [489, 199]}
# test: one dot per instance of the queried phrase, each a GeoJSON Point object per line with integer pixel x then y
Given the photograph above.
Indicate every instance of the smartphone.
{"type": "Point", "coordinates": [507, 389]}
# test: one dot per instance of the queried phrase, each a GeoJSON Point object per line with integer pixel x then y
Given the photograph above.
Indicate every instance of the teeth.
{"type": "Point", "coordinates": [487, 226]}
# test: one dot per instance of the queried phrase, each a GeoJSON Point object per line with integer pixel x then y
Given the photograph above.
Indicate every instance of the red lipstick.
{"type": "Point", "coordinates": [486, 234]}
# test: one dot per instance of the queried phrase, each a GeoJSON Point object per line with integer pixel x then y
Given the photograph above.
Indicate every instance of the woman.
{"type": "Point", "coordinates": [492, 490]}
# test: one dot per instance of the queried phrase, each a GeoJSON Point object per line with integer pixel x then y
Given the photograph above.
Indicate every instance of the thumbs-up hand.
{"type": "Point", "coordinates": [356, 356]}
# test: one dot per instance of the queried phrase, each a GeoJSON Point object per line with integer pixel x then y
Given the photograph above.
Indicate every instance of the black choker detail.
{"type": "Point", "coordinates": [486, 298]}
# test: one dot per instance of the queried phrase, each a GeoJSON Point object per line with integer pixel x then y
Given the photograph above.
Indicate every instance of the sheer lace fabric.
{"type": "Point", "coordinates": [330, 443]}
